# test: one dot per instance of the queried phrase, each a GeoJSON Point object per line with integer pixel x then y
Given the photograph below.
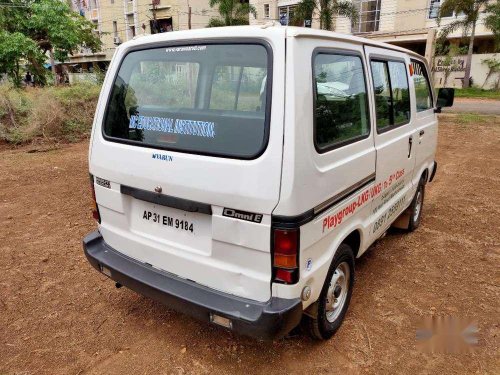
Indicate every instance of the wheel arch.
{"type": "Point", "coordinates": [425, 175]}
{"type": "Point", "coordinates": [353, 239]}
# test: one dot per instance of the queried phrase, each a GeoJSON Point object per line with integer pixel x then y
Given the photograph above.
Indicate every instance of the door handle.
{"type": "Point", "coordinates": [410, 144]}
{"type": "Point", "coordinates": [422, 132]}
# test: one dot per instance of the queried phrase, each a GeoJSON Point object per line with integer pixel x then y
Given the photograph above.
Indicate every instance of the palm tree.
{"type": "Point", "coordinates": [470, 9]}
{"type": "Point", "coordinates": [233, 12]}
{"type": "Point", "coordinates": [492, 20]}
{"type": "Point", "coordinates": [327, 9]}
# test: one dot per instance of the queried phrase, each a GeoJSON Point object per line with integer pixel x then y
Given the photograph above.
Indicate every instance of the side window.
{"type": "Point", "coordinates": [400, 92]}
{"type": "Point", "coordinates": [423, 90]}
{"type": "Point", "coordinates": [340, 106]}
{"type": "Point", "coordinates": [392, 95]}
{"type": "Point", "coordinates": [382, 88]}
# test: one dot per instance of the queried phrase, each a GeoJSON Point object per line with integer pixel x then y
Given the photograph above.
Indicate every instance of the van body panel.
{"type": "Point", "coordinates": [395, 147]}
{"type": "Point", "coordinates": [207, 221]}
{"type": "Point", "coordinates": [426, 125]}
{"type": "Point", "coordinates": [204, 256]}
{"type": "Point", "coordinates": [304, 169]}
{"type": "Point", "coordinates": [328, 174]}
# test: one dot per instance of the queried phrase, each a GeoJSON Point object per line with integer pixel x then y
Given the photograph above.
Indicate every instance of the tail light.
{"type": "Point", "coordinates": [95, 209]}
{"type": "Point", "coordinates": [286, 255]}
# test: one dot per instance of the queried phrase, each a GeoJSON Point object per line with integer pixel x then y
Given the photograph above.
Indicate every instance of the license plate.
{"type": "Point", "coordinates": [168, 221]}
{"type": "Point", "coordinates": [171, 227]}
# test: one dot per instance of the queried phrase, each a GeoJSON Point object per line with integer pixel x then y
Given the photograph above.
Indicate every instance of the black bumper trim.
{"type": "Point", "coordinates": [262, 320]}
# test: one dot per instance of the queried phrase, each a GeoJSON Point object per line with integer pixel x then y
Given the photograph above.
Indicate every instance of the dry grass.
{"type": "Point", "coordinates": [47, 115]}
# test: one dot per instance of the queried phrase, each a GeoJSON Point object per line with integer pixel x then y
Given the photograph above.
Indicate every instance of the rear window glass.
{"type": "Point", "coordinates": [208, 99]}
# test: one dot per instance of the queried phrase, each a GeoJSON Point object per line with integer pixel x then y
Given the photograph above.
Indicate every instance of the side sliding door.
{"type": "Point", "coordinates": [395, 136]}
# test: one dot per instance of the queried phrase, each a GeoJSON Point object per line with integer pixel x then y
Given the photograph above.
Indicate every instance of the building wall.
{"type": "Point", "coordinates": [259, 6]}
{"type": "Point", "coordinates": [479, 71]}
{"type": "Point", "coordinates": [136, 13]}
{"type": "Point", "coordinates": [412, 14]}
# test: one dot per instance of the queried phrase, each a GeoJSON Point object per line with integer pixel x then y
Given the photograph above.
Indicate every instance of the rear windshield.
{"type": "Point", "coordinates": [209, 99]}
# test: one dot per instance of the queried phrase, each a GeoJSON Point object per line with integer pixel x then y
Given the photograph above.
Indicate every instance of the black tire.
{"type": "Point", "coordinates": [318, 326]}
{"type": "Point", "coordinates": [415, 217]}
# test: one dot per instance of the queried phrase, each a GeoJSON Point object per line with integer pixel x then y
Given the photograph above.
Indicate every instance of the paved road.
{"type": "Point", "coordinates": [480, 106]}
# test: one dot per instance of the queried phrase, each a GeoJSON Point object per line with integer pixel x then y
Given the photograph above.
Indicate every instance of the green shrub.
{"type": "Point", "coordinates": [48, 114]}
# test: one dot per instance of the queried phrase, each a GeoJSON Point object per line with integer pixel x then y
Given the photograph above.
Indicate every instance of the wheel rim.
{"type": "Point", "coordinates": [338, 289]}
{"type": "Point", "coordinates": [418, 206]}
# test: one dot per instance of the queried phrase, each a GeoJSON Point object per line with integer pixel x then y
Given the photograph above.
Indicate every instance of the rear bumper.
{"type": "Point", "coordinates": [262, 320]}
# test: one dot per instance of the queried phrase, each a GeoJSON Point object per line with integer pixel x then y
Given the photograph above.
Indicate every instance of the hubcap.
{"type": "Point", "coordinates": [337, 291]}
{"type": "Point", "coordinates": [418, 206]}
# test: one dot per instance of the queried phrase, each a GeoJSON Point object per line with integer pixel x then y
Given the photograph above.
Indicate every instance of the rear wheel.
{"type": "Point", "coordinates": [416, 207]}
{"type": "Point", "coordinates": [335, 296]}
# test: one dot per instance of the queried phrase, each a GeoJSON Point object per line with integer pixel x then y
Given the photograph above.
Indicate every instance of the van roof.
{"type": "Point", "coordinates": [304, 32]}
{"type": "Point", "coordinates": [246, 31]}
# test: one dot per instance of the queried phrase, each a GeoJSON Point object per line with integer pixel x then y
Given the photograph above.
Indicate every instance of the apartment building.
{"type": "Point", "coordinates": [117, 21]}
{"type": "Point", "coordinates": [407, 23]}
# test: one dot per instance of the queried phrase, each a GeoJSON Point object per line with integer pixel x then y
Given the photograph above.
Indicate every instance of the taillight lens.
{"type": "Point", "coordinates": [285, 255]}
{"type": "Point", "coordinates": [95, 209]}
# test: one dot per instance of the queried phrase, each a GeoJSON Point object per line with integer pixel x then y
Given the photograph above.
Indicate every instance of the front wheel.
{"type": "Point", "coordinates": [334, 298]}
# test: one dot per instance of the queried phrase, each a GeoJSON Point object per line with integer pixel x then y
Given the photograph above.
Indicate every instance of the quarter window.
{"type": "Point", "coordinates": [392, 96]}
{"type": "Point", "coordinates": [341, 106]}
{"type": "Point", "coordinates": [423, 91]}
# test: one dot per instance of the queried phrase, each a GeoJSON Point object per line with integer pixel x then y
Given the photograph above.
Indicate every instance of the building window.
{"type": "Point", "coordinates": [266, 10]}
{"type": "Point", "coordinates": [434, 7]}
{"type": "Point", "coordinates": [368, 16]}
{"type": "Point", "coordinates": [115, 29]}
{"type": "Point", "coordinates": [341, 113]}
{"type": "Point", "coordinates": [286, 15]}
{"type": "Point", "coordinates": [132, 31]}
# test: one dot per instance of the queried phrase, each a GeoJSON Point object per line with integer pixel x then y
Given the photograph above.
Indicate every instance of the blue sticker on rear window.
{"type": "Point", "coordinates": [204, 129]}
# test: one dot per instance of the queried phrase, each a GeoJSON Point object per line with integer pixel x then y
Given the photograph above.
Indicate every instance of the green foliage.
{"type": "Point", "coordinates": [49, 114]}
{"type": "Point", "coordinates": [470, 9]}
{"type": "Point", "coordinates": [492, 20]}
{"type": "Point", "coordinates": [33, 28]}
{"type": "Point", "coordinates": [232, 12]}
{"type": "Point", "coordinates": [475, 92]}
{"type": "Point", "coordinates": [14, 48]}
{"type": "Point", "coordinates": [327, 9]}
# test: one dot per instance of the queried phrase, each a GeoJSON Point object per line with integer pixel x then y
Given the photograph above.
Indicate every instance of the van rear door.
{"type": "Point", "coordinates": [190, 151]}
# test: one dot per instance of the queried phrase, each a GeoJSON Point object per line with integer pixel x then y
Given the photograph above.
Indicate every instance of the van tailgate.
{"type": "Point", "coordinates": [165, 207]}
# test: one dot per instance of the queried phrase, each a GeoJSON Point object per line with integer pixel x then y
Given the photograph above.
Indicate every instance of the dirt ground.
{"type": "Point", "coordinates": [59, 316]}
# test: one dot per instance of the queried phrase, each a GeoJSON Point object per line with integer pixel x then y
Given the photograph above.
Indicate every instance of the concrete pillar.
{"type": "Point", "coordinates": [430, 47]}
{"type": "Point", "coordinates": [127, 26]}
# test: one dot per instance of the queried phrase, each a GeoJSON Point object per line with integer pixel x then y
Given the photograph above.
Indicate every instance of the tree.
{"type": "Point", "coordinates": [327, 9]}
{"type": "Point", "coordinates": [470, 9]}
{"type": "Point", "coordinates": [34, 28]}
{"type": "Point", "coordinates": [493, 68]}
{"type": "Point", "coordinates": [233, 13]}
{"type": "Point", "coordinates": [492, 20]}
{"type": "Point", "coordinates": [14, 48]}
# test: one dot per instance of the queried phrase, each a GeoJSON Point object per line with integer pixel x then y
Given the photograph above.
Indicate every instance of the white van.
{"type": "Point", "coordinates": [238, 172]}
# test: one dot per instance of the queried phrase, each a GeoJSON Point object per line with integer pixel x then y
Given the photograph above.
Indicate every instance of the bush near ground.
{"type": "Point", "coordinates": [47, 114]}
{"type": "Point", "coordinates": [476, 92]}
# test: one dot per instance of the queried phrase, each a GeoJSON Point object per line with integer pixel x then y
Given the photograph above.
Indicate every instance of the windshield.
{"type": "Point", "coordinates": [208, 99]}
